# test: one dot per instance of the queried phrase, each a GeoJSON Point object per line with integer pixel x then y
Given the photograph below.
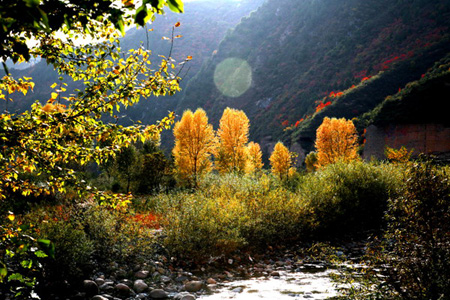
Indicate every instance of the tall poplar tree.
{"type": "Point", "coordinates": [231, 154]}
{"type": "Point", "coordinates": [194, 144]}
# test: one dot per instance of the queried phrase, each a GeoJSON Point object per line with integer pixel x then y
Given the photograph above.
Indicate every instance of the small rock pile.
{"type": "Point", "coordinates": [146, 285]}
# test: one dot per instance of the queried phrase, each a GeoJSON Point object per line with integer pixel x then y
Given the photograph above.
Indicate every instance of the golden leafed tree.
{"type": "Point", "coordinates": [254, 158]}
{"type": "Point", "coordinates": [231, 154]}
{"type": "Point", "coordinates": [194, 144]}
{"type": "Point", "coordinates": [336, 140]}
{"type": "Point", "coordinates": [401, 155]}
{"type": "Point", "coordinates": [281, 161]}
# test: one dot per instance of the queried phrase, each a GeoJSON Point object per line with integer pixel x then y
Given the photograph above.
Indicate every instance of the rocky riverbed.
{"type": "Point", "coordinates": [289, 276]}
{"type": "Point", "coordinates": [278, 280]}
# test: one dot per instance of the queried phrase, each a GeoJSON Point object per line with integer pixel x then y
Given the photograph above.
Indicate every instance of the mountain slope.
{"type": "Point", "coordinates": [203, 26]}
{"type": "Point", "coordinates": [300, 51]}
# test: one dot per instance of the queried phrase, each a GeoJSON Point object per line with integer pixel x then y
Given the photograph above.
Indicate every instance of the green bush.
{"type": "Point", "coordinates": [412, 259]}
{"type": "Point", "coordinates": [197, 226]}
{"type": "Point", "coordinates": [229, 212]}
{"type": "Point", "coordinates": [90, 237]}
{"type": "Point", "coordinates": [21, 258]}
{"type": "Point", "coordinates": [73, 250]}
{"type": "Point", "coordinates": [348, 198]}
{"type": "Point", "coordinates": [418, 235]}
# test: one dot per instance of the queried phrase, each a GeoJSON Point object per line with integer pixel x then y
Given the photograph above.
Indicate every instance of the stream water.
{"type": "Point", "coordinates": [292, 286]}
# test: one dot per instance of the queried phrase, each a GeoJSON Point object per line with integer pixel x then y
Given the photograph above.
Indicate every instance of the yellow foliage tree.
{"type": "Point", "coordinates": [281, 161]}
{"type": "Point", "coordinates": [194, 144]}
{"type": "Point", "coordinates": [401, 155]}
{"type": "Point", "coordinates": [254, 161]}
{"type": "Point", "coordinates": [311, 161]}
{"type": "Point", "coordinates": [231, 154]}
{"type": "Point", "coordinates": [336, 140]}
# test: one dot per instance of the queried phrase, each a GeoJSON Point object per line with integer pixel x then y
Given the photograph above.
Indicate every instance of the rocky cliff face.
{"type": "Point", "coordinates": [423, 138]}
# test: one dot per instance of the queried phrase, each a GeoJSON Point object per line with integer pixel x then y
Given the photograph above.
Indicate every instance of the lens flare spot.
{"type": "Point", "coordinates": [233, 77]}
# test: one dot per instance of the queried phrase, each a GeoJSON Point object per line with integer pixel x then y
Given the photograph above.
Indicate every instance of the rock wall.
{"type": "Point", "coordinates": [423, 138]}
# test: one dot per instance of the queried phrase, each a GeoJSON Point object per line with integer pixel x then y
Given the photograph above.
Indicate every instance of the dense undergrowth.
{"type": "Point", "coordinates": [231, 213]}
{"type": "Point", "coordinates": [410, 260]}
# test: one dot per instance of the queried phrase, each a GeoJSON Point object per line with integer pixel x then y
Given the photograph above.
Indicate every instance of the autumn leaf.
{"type": "Point", "coordinates": [177, 24]}
{"type": "Point", "coordinates": [11, 217]}
{"type": "Point", "coordinates": [127, 3]}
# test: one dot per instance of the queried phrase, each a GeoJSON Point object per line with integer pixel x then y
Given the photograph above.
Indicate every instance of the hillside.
{"type": "Point", "coordinates": [420, 101]}
{"type": "Point", "coordinates": [303, 51]}
{"type": "Point", "coordinates": [203, 26]}
{"type": "Point", "coordinates": [292, 62]}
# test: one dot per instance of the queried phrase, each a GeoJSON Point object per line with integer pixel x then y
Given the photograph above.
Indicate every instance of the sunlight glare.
{"type": "Point", "coordinates": [233, 77]}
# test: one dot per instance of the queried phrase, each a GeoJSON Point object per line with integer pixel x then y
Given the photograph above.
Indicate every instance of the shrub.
{"type": "Point", "coordinates": [413, 258]}
{"type": "Point", "coordinates": [21, 258]}
{"type": "Point", "coordinates": [73, 250]}
{"type": "Point", "coordinates": [198, 226]}
{"type": "Point", "coordinates": [229, 212]}
{"type": "Point", "coordinates": [419, 227]}
{"type": "Point", "coordinates": [347, 198]}
{"type": "Point", "coordinates": [401, 155]}
{"type": "Point", "coordinates": [311, 161]}
{"type": "Point", "coordinates": [89, 237]}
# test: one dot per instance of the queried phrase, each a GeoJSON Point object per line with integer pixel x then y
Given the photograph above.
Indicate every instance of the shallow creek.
{"type": "Point", "coordinates": [289, 285]}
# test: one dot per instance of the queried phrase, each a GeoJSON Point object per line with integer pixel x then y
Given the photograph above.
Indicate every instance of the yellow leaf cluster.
{"type": "Point", "coordinates": [49, 107]}
{"type": "Point", "coordinates": [401, 155]}
{"type": "Point", "coordinates": [336, 140]}
{"type": "Point", "coordinates": [48, 140]}
{"type": "Point", "coordinates": [194, 144]}
{"type": "Point", "coordinates": [10, 85]}
{"type": "Point", "coordinates": [231, 154]}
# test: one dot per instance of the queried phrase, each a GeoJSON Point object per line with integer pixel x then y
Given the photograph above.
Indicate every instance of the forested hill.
{"type": "Point", "coordinates": [306, 56]}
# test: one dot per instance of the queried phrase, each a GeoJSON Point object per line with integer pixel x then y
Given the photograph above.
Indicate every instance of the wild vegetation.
{"type": "Point", "coordinates": [80, 195]}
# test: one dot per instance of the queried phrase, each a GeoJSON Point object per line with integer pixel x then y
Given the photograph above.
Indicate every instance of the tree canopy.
{"type": "Point", "coordinates": [41, 147]}
{"type": "Point", "coordinates": [21, 20]}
